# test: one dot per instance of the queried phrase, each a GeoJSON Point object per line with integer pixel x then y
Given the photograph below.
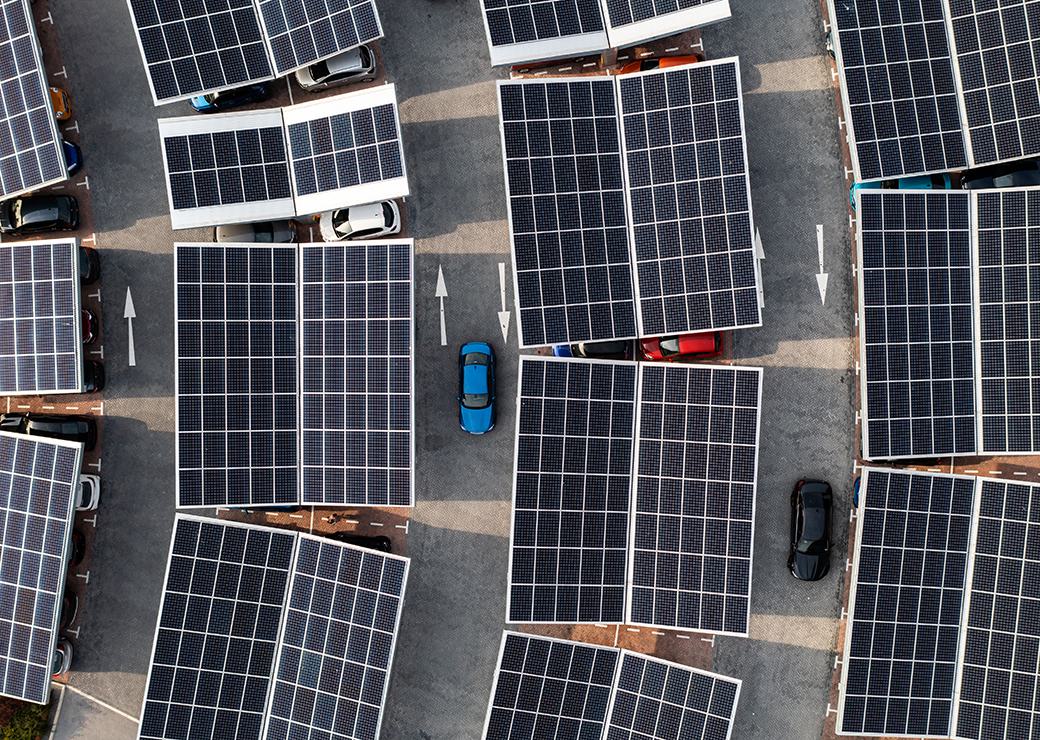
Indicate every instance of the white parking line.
{"type": "Point", "coordinates": [99, 702]}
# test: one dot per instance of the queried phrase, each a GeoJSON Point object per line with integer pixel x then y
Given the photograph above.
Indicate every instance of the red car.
{"type": "Point", "coordinates": [698, 346]}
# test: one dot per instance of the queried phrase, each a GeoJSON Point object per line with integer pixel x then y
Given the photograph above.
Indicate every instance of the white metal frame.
{"type": "Point", "coordinates": [665, 24]}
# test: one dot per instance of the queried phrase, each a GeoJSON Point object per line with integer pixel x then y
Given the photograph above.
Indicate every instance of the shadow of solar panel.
{"type": "Point", "coordinates": [916, 324]}
{"type": "Point", "coordinates": [356, 373]}
{"type": "Point", "coordinates": [571, 491]}
{"type": "Point", "coordinates": [338, 642]}
{"type": "Point", "coordinates": [301, 32]}
{"type": "Point", "coordinates": [694, 501]}
{"type": "Point", "coordinates": [689, 199]}
{"type": "Point", "coordinates": [219, 620]}
{"type": "Point", "coordinates": [236, 375]}
{"type": "Point", "coordinates": [909, 569]}
{"type": "Point", "coordinates": [898, 80]}
{"type": "Point", "coordinates": [567, 211]}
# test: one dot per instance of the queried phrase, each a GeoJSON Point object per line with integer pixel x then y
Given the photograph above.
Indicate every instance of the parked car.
{"type": "Point", "coordinates": [698, 346]}
{"type": "Point", "coordinates": [920, 182]}
{"type": "Point", "coordinates": [361, 222]}
{"type": "Point", "coordinates": [88, 495]}
{"type": "Point", "coordinates": [615, 349]}
{"type": "Point", "coordinates": [61, 104]}
{"type": "Point", "coordinates": [62, 662]}
{"type": "Point", "coordinates": [76, 428]}
{"type": "Point", "coordinates": [643, 65]}
{"type": "Point", "coordinates": [477, 387]}
{"type": "Point", "coordinates": [265, 232]}
{"type": "Point", "coordinates": [378, 542]}
{"type": "Point", "coordinates": [1024, 173]}
{"type": "Point", "coordinates": [93, 376]}
{"type": "Point", "coordinates": [77, 548]}
{"type": "Point", "coordinates": [73, 157]}
{"type": "Point", "coordinates": [811, 501]}
{"type": "Point", "coordinates": [350, 67]}
{"type": "Point", "coordinates": [234, 98]}
{"type": "Point", "coordinates": [69, 610]}
{"type": "Point", "coordinates": [562, 350]}
{"type": "Point", "coordinates": [89, 324]}
{"type": "Point", "coordinates": [89, 266]}
{"type": "Point", "coordinates": [32, 214]}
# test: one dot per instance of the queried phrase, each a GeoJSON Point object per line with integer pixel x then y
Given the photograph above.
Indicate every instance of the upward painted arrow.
{"type": "Point", "coordinates": [441, 294]}
{"type": "Point", "coordinates": [129, 313]}
{"type": "Point", "coordinates": [821, 276]}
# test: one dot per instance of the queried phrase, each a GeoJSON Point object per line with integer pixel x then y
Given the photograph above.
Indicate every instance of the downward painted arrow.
{"type": "Point", "coordinates": [503, 315]}
{"type": "Point", "coordinates": [821, 276]}
{"type": "Point", "coordinates": [130, 314]}
{"type": "Point", "coordinates": [441, 294]}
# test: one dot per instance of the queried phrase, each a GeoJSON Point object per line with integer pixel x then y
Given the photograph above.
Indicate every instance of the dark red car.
{"type": "Point", "coordinates": [699, 346]}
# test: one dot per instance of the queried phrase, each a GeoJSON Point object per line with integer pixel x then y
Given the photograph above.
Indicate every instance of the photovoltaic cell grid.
{"type": "Point", "coordinates": [30, 149]}
{"type": "Point", "coordinates": [218, 629]}
{"type": "Point", "coordinates": [38, 483]}
{"type": "Point", "coordinates": [1008, 227]}
{"type": "Point", "coordinates": [303, 31]}
{"type": "Point", "coordinates": [998, 683]}
{"type": "Point", "coordinates": [236, 375]}
{"type": "Point", "coordinates": [899, 83]}
{"type": "Point", "coordinates": [523, 21]}
{"type": "Point", "coordinates": [571, 498]}
{"type": "Point", "coordinates": [656, 700]}
{"type": "Point", "coordinates": [909, 576]}
{"type": "Point", "coordinates": [659, 17]}
{"type": "Point", "coordinates": [996, 45]}
{"type": "Point", "coordinates": [39, 318]}
{"type": "Point", "coordinates": [916, 324]}
{"type": "Point", "coordinates": [194, 47]}
{"type": "Point", "coordinates": [546, 688]}
{"type": "Point", "coordinates": [356, 374]}
{"type": "Point", "coordinates": [335, 652]}
{"type": "Point", "coordinates": [566, 211]}
{"type": "Point", "coordinates": [695, 497]}
{"type": "Point", "coordinates": [690, 199]}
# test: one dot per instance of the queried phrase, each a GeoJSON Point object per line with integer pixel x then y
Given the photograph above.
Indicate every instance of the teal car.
{"type": "Point", "coordinates": [477, 388]}
{"type": "Point", "coordinates": [920, 182]}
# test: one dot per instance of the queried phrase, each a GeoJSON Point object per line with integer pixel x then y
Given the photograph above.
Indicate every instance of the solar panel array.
{"type": "Point", "coordinates": [634, 21]}
{"type": "Point", "coordinates": [689, 199]}
{"type": "Point", "coordinates": [300, 32]}
{"type": "Point", "coordinates": [38, 483]}
{"type": "Point", "coordinates": [236, 375]}
{"type": "Point", "coordinates": [356, 373]}
{"type": "Point", "coordinates": [909, 567]}
{"type": "Point", "coordinates": [193, 48]}
{"type": "Point", "coordinates": [40, 348]}
{"type": "Point", "coordinates": [697, 454]}
{"type": "Point", "coordinates": [898, 79]}
{"type": "Point", "coordinates": [531, 30]}
{"type": "Point", "coordinates": [571, 496]}
{"type": "Point", "coordinates": [658, 700]}
{"type": "Point", "coordinates": [916, 326]}
{"type": "Point", "coordinates": [31, 155]}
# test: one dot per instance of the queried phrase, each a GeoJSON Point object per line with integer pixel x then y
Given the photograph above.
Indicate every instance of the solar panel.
{"type": "Point", "coordinates": [697, 454]}
{"type": "Point", "coordinates": [301, 32]}
{"type": "Point", "coordinates": [995, 45]}
{"type": "Point", "coordinates": [566, 210]}
{"type": "Point", "coordinates": [571, 491]}
{"type": "Point", "coordinates": [548, 688]}
{"type": "Point", "coordinates": [533, 30]}
{"type": "Point", "coordinates": [191, 48]}
{"type": "Point", "coordinates": [634, 21]}
{"type": "Point", "coordinates": [236, 375]}
{"type": "Point", "coordinates": [31, 155]}
{"type": "Point", "coordinates": [997, 686]}
{"type": "Point", "coordinates": [338, 641]}
{"type": "Point", "coordinates": [40, 348]}
{"type": "Point", "coordinates": [346, 150]}
{"type": "Point", "coordinates": [658, 700]}
{"type": "Point", "coordinates": [226, 169]}
{"type": "Point", "coordinates": [689, 198]}
{"type": "Point", "coordinates": [38, 483]}
{"type": "Point", "coordinates": [916, 335]}
{"type": "Point", "coordinates": [356, 373]}
{"type": "Point", "coordinates": [218, 630]}
{"type": "Point", "coordinates": [901, 102]}
{"type": "Point", "coordinates": [908, 581]}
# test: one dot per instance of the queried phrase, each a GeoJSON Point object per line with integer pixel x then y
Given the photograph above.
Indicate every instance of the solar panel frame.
{"type": "Point", "coordinates": [39, 502]}
{"type": "Point", "coordinates": [20, 173]}
{"type": "Point", "coordinates": [353, 103]}
{"type": "Point", "coordinates": [274, 173]}
{"type": "Point", "coordinates": [676, 18]}
{"type": "Point", "coordinates": [589, 38]}
{"type": "Point", "coordinates": [322, 30]}
{"type": "Point", "coordinates": [19, 320]}
{"type": "Point", "coordinates": [361, 270]}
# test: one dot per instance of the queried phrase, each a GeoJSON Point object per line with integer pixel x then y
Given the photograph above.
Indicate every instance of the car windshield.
{"type": "Point", "coordinates": [388, 214]}
{"type": "Point", "coordinates": [669, 346]}
{"type": "Point", "coordinates": [319, 71]}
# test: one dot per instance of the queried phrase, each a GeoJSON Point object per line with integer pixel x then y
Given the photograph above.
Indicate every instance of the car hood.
{"type": "Point", "coordinates": [477, 421]}
{"type": "Point", "coordinates": [809, 567]}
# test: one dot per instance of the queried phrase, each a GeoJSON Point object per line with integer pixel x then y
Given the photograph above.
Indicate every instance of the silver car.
{"type": "Point", "coordinates": [350, 67]}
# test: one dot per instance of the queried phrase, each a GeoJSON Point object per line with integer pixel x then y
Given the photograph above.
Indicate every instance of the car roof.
{"type": "Point", "coordinates": [368, 216]}
{"type": "Point", "coordinates": [347, 61]}
{"type": "Point", "coordinates": [475, 379]}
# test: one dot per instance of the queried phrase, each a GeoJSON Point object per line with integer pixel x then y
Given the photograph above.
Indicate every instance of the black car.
{"type": "Point", "coordinates": [93, 376]}
{"type": "Point", "coordinates": [76, 428]}
{"type": "Point", "coordinates": [810, 530]}
{"type": "Point", "coordinates": [38, 213]}
{"type": "Point", "coordinates": [77, 548]}
{"type": "Point", "coordinates": [1008, 175]}
{"type": "Point", "coordinates": [89, 266]}
{"type": "Point", "coordinates": [235, 98]}
{"type": "Point", "coordinates": [612, 350]}
{"type": "Point", "coordinates": [378, 542]}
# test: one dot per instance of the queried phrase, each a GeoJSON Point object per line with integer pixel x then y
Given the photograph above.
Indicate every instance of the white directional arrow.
{"type": "Point", "coordinates": [130, 314]}
{"type": "Point", "coordinates": [760, 253]}
{"type": "Point", "coordinates": [821, 276]}
{"type": "Point", "coordinates": [503, 315]}
{"type": "Point", "coordinates": [442, 293]}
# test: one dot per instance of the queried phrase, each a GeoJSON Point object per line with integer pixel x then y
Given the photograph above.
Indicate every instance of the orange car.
{"type": "Point", "coordinates": [643, 65]}
{"type": "Point", "coordinates": [61, 104]}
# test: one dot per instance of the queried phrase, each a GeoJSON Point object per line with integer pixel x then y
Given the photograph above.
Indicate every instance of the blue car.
{"type": "Point", "coordinates": [234, 98]}
{"type": "Point", "coordinates": [918, 182]}
{"type": "Point", "coordinates": [477, 387]}
{"type": "Point", "coordinates": [73, 157]}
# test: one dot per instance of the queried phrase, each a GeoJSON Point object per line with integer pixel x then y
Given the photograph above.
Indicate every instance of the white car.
{"type": "Point", "coordinates": [89, 494]}
{"type": "Point", "coordinates": [361, 222]}
{"type": "Point", "coordinates": [356, 65]}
